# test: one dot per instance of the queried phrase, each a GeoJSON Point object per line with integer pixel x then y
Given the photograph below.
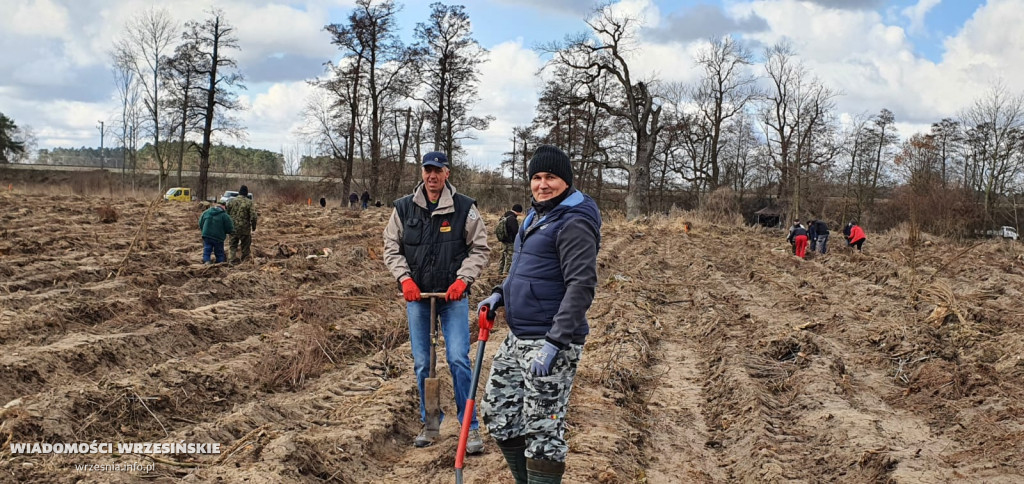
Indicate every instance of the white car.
{"type": "Point", "coordinates": [228, 195]}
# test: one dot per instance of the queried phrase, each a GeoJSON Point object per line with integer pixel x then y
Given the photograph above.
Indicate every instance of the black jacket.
{"type": "Point", "coordinates": [434, 247]}
{"type": "Point", "coordinates": [511, 226]}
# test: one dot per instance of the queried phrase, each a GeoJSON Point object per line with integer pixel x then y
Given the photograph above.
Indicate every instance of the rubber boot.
{"type": "Point", "coordinates": [514, 451]}
{"type": "Point", "coordinates": [542, 471]}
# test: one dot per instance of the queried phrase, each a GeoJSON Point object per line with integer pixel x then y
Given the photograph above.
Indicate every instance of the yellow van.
{"type": "Point", "coordinates": [179, 194]}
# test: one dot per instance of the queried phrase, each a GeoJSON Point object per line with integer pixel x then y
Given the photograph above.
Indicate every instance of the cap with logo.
{"type": "Point", "coordinates": [435, 158]}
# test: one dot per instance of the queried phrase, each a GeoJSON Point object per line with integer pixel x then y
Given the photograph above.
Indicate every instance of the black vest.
{"type": "Point", "coordinates": [434, 246]}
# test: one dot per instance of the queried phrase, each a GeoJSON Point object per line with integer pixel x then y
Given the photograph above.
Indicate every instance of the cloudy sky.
{"type": "Point", "coordinates": [921, 59]}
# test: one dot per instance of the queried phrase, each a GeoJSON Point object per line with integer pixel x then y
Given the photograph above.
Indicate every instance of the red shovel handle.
{"type": "Point", "coordinates": [486, 325]}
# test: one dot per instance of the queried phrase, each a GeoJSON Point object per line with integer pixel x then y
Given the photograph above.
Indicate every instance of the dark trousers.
{"type": "Point", "coordinates": [242, 242]}
{"type": "Point", "coordinates": [858, 244]}
{"type": "Point", "coordinates": [214, 246]}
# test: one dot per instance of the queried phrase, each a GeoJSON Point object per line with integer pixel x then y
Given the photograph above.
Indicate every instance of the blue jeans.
{"type": "Point", "coordinates": [215, 246]}
{"type": "Point", "coordinates": [454, 318]}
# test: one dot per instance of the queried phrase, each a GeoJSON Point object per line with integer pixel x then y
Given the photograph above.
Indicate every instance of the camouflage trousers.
{"type": "Point", "coordinates": [235, 240]}
{"type": "Point", "coordinates": [507, 249]}
{"type": "Point", "coordinates": [517, 403]}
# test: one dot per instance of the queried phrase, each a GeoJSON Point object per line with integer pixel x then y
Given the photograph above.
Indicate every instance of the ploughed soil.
{"type": "Point", "coordinates": [714, 356]}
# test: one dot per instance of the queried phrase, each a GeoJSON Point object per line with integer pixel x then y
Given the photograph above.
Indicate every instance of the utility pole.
{"type": "Point", "coordinates": [102, 160]}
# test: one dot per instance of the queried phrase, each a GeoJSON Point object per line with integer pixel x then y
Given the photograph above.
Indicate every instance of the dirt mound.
{"type": "Point", "coordinates": [715, 355]}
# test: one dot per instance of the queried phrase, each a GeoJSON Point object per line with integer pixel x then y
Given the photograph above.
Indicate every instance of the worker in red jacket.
{"type": "Point", "coordinates": [798, 237]}
{"type": "Point", "coordinates": [856, 237]}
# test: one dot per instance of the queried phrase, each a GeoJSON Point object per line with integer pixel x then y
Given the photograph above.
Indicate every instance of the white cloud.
{"type": "Point", "coordinates": [55, 51]}
{"type": "Point", "coordinates": [508, 89]}
{"type": "Point", "coordinates": [916, 13]}
{"type": "Point", "coordinates": [34, 18]}
{"type": "Point", "coordinates": [272, 116]}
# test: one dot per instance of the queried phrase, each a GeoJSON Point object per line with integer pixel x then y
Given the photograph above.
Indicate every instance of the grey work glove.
{"type": "Point", "coordinates": [492, 303]}
{"type": "Point", "coordinates": [542, 360]}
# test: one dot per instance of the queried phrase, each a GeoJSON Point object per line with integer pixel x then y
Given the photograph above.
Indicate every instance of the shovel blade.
{"type": "Point", "coordinates": [432, 402]}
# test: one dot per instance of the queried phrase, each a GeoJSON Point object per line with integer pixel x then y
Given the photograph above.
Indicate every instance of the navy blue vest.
{"type": "Point", "coordinates": [434, 246]}
{"type": "Point", "coordinates": [535, 286]}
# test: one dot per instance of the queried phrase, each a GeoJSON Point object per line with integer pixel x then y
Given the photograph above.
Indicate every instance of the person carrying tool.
{"type": "Point", "coordinates": [546, 296]}
{"type": "Point", "coordinates": [436, 242]}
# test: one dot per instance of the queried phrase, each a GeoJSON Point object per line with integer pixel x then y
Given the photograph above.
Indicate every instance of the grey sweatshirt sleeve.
{"type": "Point", "coordinates": [577, 253]}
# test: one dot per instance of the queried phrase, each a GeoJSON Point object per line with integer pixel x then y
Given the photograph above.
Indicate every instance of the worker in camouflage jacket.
{"type": "Point", "coordinates": [546, 296]}
{"type": "Point", "coordinates": [243, 214]}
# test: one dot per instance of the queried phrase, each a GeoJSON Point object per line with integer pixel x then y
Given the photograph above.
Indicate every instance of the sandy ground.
{"type": "Point", "coordinates": [715, 355]}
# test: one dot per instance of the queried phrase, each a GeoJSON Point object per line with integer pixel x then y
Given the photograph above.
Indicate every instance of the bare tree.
{"type": "Point", "coordinates": [948, 137]}
{"type": "Point", "coordinates": [449, 58]}
{"type": "Point", "coordinates": [797, 116]}
{"type": "Point", "coordinates": [149, 37]}
{"type": "Point", "coordinates": [388, 65]}
{"type": "Point", "coordinates": [129, 93]}
{"type": "Point", "coordinates": [995, 141]}
{"type": "Point", "coordinates": [345, 84]}
{"type": "Point", "coordinates": [606, 54]}
{"type": "Point", "coordinates": [858, 151]}
{"type": "Point", "coordinates": [181, 77]}
{"type": "Point", "coordinates": [724, 91]}
{"type": "Point", "coordinates": [918, 162]}
{"type": "Point", "coordinates": [211, 39]}
{"type": "Point", "coordinates": [883, 134]}
{"type": "Point", "coordinates": [321, 127]}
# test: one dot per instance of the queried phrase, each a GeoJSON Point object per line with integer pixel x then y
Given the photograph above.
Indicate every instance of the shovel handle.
{"type": "Point", "coordinates": [486, 324]}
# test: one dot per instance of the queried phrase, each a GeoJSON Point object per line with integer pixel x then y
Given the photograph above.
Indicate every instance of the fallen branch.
{"type": "Point", "coordinates": [238, 443]}
{"type": "Point", "coordinates": [143, 402]}
{"type": "Point", "coordinates": [807, 325]}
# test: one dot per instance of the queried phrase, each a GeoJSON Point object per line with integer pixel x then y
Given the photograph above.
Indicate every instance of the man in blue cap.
{"type": "Point", "coordinates": [436, 241]}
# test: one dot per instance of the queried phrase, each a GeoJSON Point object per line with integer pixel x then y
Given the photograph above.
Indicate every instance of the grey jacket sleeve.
{"type": "Point", "coordinates": [577, 253]}
{"type": "Point", "coordinates": [393, 257]}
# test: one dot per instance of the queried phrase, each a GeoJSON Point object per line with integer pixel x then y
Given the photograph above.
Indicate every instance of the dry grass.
{"type": "Point", "coordinates": [107, 213]}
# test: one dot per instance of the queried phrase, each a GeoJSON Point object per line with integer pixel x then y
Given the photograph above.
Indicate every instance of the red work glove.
{"type": "Point", "coordinates": [410, 291]}
{"type": "Point", "coordinates": [455, 290]}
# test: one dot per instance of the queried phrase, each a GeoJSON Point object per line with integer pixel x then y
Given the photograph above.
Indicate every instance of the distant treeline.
{"type": "Point", "coordinates": [223, 158]}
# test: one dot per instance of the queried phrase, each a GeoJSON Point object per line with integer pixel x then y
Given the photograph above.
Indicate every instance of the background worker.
{"type": "Point", "coordinates": [215, 224]}
{"type": "Point", "coordinates": [798, 237]}
{"type": "Point", "coordinates": [546, 296]}
{"type": "Point", "coordinates": [821, 229]}
{"type": "Point", "coordinates": [812, 234]}
{"type": "Point", "coordinates": [435, 241]}
{"type": "Point", "coordinates": [243, 215]}
{"type": "Point", "coordinates": [856, 237]}
{"type": "Point", "coordinates": [506, 231]}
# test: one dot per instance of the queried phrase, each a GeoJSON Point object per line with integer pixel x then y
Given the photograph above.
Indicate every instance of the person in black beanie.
{"type": "Point", "coordinates": [546, 295]}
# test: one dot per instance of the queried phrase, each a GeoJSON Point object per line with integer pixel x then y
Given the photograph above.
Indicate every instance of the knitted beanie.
{"type": "Point", "coordinates": [549, 159]}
